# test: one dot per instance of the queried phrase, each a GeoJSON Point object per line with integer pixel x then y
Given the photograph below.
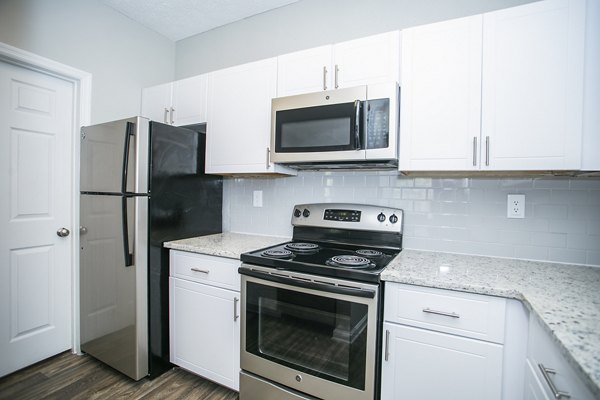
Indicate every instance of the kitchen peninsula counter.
{"type": "Point", "coordinates": [564, 297]}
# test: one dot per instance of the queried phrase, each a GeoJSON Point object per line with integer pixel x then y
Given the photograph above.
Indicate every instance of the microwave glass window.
{"type": "Point", "coordinates": [313, 129]}
{"type": "Point", "coordinates": [319, 335]}
{"type": "Point", "coordinates": [319, 133]}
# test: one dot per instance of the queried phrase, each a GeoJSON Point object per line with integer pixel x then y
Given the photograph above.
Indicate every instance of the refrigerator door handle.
{"type": "Point", "coordinates": [128, 134]}
{"type": "Point", "coordinates": [124, 218]}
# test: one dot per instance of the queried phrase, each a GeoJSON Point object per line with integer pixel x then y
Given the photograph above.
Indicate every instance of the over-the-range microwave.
{"type": "Point", "coordinates": [355, 127]}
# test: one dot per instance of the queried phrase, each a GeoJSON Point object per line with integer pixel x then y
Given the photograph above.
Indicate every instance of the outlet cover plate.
{"type": "Point", "coordinates": [515, 206]}
{"type": "Point", "coordinates": [257, 198]}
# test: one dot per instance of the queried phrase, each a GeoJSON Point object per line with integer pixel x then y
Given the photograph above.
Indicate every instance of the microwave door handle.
{"type": "Point", "coordinates": [357, 124]}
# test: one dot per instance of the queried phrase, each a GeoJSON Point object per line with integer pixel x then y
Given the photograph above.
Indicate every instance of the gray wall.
{"type": "Point", "coordinates": [310, 23]}
{"type": "Point", "coordinates": [122, 56]}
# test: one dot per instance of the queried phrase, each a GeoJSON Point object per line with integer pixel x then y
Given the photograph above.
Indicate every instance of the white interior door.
{"type": "Point", "coordinates": [36, 117]}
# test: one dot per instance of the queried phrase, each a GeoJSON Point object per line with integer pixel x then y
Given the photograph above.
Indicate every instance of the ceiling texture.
{"type": "Point", "coordinates": [179, 19]}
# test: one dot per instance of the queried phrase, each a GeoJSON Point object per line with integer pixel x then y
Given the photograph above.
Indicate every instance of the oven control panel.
{"type": "Point", "coordinates": [342, 215]}
{"type": "Point", "coordinates": [348, 216]}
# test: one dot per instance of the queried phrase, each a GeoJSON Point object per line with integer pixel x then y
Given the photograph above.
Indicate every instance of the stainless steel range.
{"type": "Point", "coordinates": [311, 307]}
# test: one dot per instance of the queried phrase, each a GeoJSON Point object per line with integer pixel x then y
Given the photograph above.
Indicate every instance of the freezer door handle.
{"type": "Point", "coordinates": [128, 134]}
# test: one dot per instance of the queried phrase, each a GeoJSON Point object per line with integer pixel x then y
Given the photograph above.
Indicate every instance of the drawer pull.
{"type": "Point", "coordinates": [204, 271]}
{"type": "Point", "coordinates": [444, 313]}
{"type": "Point", "coordinates": [555, 392]}
{"type": "Point", "coordinates": [387, 344]}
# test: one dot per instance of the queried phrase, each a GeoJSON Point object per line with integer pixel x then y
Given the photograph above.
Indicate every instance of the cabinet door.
{"type": "Point", "coordinates": [441, 96]}
{"type": "Point", "coordinates": [304, 71]}
{"type": "Point", "coordinates": [533, 387]}
{"type": "Point", "coordinates": [156, 103]}
{"type": "Point", "coordinates": [369, 60]}
{"type": "Point", "coordinates": [239, 118]}
{"type": "Point", "coordinates": [428, 365]}
{"type": "Point", "coordinates": [205, 331]}
{"type": "Point", "coordinates": [189, 100]}
{"type": "Point", "coordinates": [533, 86]}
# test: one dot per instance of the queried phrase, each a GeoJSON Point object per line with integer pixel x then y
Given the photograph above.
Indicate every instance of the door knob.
{"type": "Point", "coordinates": [62, 232]}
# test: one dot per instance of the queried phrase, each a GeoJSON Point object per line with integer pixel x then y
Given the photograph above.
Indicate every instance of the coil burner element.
{"type": "Point", "coordinates": [349, 261]}
{"type": "Point", "coordinates": [369, 253]}
{"type": "Point", "coordinates": [277, 253]}
{"type": "Point", "coordinates": [300, 247]}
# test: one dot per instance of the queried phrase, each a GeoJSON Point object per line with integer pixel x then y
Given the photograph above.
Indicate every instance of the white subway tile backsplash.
{"type": "Point", "coordinates": [462, 215]}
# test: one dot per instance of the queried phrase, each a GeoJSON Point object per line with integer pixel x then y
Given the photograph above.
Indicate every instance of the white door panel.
{"type": "Point", "coordinates": [35, 180]}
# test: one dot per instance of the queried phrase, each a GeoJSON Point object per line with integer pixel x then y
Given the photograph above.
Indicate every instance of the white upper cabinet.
{"type": "Point", "coordinates": [238, 130]}
{"type": "Point", "coordinates": [156, 103]}
{"type": "Point", "coordinates": [533, 86]}
{"type": "Point", "coordinates": [369, 60]}
{"type": "Point", "coordinates": [304, 71]}
{"type": "Point", "coordinates": [441, 95]}
{"type": "Point", "coordinates": [178, 103]}
{"type": "Point", "coordinates": [499, 91]}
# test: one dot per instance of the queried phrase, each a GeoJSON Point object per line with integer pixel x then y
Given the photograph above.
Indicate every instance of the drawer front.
{"type": "Point", "coordinates": [211, 270]}
{"type": "Point", "coordinates": [465, 314]}
{"type": "Point", "coordinates": [543, 352]}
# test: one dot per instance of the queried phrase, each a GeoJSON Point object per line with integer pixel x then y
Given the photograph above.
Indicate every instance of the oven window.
{"type": "Point", "coordinates": [318, 335]}
{"type": "Point", "coordinates": [312, 129]}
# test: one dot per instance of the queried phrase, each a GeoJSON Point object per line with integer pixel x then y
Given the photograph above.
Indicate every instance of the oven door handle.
{"type": "Point", "coordinates": [329, 288]}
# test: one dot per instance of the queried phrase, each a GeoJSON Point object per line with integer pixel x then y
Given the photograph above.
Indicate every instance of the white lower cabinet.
{"type": "Point", "coordinates": [549, 375]}
{"type": "Point", "coordinates": [204, 320]}
{"type": "Point", "coordinates": [441, 344]}
{"type": "Point", "coordinates": [428, 365]}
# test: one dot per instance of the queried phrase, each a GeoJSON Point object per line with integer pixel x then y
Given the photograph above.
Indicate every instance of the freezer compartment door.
{"type": "Point", "coordinates": [114, 157]}
{"type": "Point", "coordinates": [113, 295]}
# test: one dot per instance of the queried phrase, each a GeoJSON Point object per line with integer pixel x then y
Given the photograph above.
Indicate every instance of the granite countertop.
{"type": "Point", "coordinates": [226, 244]}
{"type": "Point", "coordinates": [566, 298]}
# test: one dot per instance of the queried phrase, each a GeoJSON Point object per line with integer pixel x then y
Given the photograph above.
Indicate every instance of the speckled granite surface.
{"type": "Point", "coordinates": [227, 244]}
{"type": "Point", "coordinates": [566, 298]}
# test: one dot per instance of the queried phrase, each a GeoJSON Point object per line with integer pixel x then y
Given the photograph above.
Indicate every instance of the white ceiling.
{"type": "Point", "coordinates": [178, 19]}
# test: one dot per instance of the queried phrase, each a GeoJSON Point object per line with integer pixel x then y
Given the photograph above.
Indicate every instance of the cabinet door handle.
{"type": "Point", "coordinates": [235, 314]}
{"type": "Point", "coordinates": [474, 151]}
{"type": "Point", "coordinates": [555, 392]}
{"type": "Point", "coordinates": [337, 71]}
{"type": "Point", "coordinates": [268, 158]}
{"type": "Point", "coordinates": [487, 150]}
{"type": "Point", "coordinates": [165, 116]}
{"type": "Point", "coordinates": [444, 313]}
{"type": "Point", "coordinates": [172, 115]}
{"type": "Point", "coordinates": [324, 78]}
{"type": "Point", "coordinates": [204, 271]}
{"type": "Point", "coordinates": [387, 344]}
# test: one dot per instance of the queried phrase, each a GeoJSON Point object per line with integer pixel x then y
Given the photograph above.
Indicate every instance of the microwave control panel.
{"type": "Point", "coordinates": [378, 129]}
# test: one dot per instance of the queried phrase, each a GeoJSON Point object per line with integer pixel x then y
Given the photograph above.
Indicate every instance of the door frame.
{"type": "Point", "coordinates": [82, 95]}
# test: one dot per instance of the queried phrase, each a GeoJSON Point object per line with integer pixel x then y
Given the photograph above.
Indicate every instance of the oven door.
{"type": "Point", "coordinates": [315, 335]}
{"type": "Point", "coordinates": [323, 126]}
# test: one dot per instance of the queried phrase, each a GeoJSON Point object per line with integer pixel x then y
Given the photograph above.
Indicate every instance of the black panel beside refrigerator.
{"type": "Point", "coordinates": [142, 184]}
{"type": "Point", "coordinates": [181, 205]}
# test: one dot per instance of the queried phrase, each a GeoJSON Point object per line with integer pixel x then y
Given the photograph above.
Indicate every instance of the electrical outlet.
{"type": "Point", "coordinates": [515, 207]}
{"type": "Point", "coordinates": [257, 198]}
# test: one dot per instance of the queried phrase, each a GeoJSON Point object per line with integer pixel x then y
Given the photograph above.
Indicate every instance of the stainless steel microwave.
{"type": "Point", "coordinates": [351, 127]}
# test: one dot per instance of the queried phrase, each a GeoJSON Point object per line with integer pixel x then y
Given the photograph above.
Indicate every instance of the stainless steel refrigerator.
{"type": "Point", "coordinates": [142, 183]}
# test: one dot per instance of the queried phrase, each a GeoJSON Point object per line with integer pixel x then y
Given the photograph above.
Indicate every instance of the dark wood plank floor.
{"type": "Point", "coordinates": [68, 376]}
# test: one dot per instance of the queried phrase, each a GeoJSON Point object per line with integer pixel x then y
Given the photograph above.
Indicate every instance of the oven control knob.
{"type": "Point", "coordinates": [305, 213]}
{"type": "Point", "coordinates": [297, 213]}
{"type": "Point", "coordinates": [393, 218]}
{"type": "Point", "coordinates": [298, 378]}
{"type": "Point", "coordinates": [381, 217]}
